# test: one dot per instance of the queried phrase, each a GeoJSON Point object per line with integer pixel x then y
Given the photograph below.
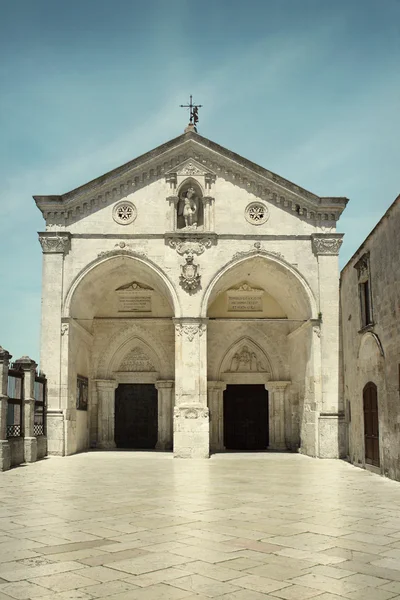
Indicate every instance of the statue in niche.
{"type": "Point", "coordinates": [189, 209]}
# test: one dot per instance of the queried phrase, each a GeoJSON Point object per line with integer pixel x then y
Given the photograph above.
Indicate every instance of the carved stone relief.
{"type": "Point", "coordinates": [55, 243]}
{"type": "Point", "coordinates": [246, 361]}
{"type": "Point", "coordinates": [190, 331]}
{"type": "Point", "coordinates": [191, 412]}
{"type": "Point", "coordinates": [183, 246]}
{"type": "Point", "coordinates": [329, 245]}
{"type": "Point", "coordinates": [137, 360]}
{"type": "Point", "coordinates": [190, 278]}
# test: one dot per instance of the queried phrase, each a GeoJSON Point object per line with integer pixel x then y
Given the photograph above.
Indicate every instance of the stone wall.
{"type": "Point", "coordinates": [372, 353]}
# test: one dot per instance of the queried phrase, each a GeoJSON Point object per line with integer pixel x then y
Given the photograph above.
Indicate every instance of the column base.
{"type": "Point", "coordinates": [191, 432]}
{"type": "Point", "coordinates": [30, 449]}
{"type": "Point", "coordinates": [55, 432]}
{"type": "Point", "coordinates": [107, 445]}
{"type": "Point", "coordinates": [330, 435]}
{"type": "Point", "coordinates": [278, 446]}
{"type": "Point", "coordinates": [5, 455]}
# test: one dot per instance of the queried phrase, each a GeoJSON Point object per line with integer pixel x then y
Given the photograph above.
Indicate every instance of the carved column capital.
{"type": "Point", "coordinates": [273, 386]}
{"type": "Point", "coordinates": [164, 384]}
{"type": "Point", "coordinates": [106, 384]}
{"type": "Point", "coordinates": [55, 243]}
{"type": "Point", "coordinates": [326, 243]}
{"type": "Point", "coordinates": [190, 328]}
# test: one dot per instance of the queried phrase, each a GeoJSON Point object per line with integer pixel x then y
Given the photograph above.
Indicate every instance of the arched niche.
{"type": "Point", "coordinates": [94, 291]}
{"type": "Point", "coordinates": [288, 289]}
{"type": "Point", "coordinates": [245, 362]}
{"type": "Point", "coordinates": [190, 209]}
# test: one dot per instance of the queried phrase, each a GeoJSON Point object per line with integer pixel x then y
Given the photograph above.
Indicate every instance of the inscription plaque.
{"type": "Point", "coordinates": [245, 303]}
{"type": "Point", "coordinates": [131, 302]}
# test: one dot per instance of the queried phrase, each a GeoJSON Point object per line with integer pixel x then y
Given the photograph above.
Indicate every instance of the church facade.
{"type": "Point", "coordinates": [191, 303]}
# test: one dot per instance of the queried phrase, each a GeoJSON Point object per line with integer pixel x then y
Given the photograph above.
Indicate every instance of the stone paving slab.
{"type": "Point", "coordinates": [137, 526]}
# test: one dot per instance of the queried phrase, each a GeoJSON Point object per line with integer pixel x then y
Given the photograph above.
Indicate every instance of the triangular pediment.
{"type": "Point", "coordinates": [190, 167]}
{"type": "Point", "coordinates": [191, 154]}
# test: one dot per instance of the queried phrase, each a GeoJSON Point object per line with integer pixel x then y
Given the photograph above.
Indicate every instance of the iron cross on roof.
{"type": "Point", "coordinates": [194, 111]}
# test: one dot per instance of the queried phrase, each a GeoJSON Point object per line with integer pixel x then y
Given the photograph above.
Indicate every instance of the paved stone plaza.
{"type": "Point", "coordinates": [137, 526]}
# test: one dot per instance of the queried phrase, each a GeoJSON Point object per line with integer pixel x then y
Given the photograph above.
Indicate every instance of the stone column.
{"type": "Point", "coordinates": [54, 245]}
{"type": "Point", "coordinates": [208, 212]}
{"type": "Point", "coordinates": [326, 247]}
{"type": "Point", "coordinates": [191, 416]}
{"type": "Point", "coordinates": [106, 412]}
{"type": "Point", "coordinates": [5, 455]}
{"type": "Point", "coordinates": [28, 366]}
{"type": "Point", "coordinates": [276, 413]}
{"type": "Point", "coordinates": [216, 408]}
{"type": "Point", "coordinates": [173, 207]}
{"type": "Point", "coordinates": [165, 411]}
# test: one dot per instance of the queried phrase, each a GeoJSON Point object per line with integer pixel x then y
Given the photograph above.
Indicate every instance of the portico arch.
{"type": "Point", "coordinates": [260, 309]}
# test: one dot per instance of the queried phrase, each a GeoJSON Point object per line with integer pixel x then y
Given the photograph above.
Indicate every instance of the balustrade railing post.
{"type": "Point", "coordinates": [28, 366]}
{"type": "Point", "coordinates": [5, 455]}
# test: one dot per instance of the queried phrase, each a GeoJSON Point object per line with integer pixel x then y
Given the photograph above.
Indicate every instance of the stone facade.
{"type": "Point", "coordinates": [192, 269]}
{"type": "Point", "coordinates": [370, 326]}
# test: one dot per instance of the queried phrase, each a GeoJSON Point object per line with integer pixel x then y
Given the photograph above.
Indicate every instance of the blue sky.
{"type": "Point", "coordinates": [309, 89]}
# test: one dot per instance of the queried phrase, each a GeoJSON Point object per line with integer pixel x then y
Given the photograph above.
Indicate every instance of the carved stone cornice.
{"type": "Point", "coordinates": [191, 412]}
{"type": "Point", "coordinates": [256, 250]}
{"type": "Point", "coordinates": [55, 243]}
{"type": "Point", "coordinates": [190, 329]}
{"type": "Point", "coordinates": [167, 160]}
{"type": "Point", "coordinates": [326, 243]}
{"type": "Point", "coordinates": [123, 252]}
{"type": "Point", "coordinates": [185, 246]}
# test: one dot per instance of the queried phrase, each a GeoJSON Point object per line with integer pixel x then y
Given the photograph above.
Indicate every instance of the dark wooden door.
{"type": "Point", "coordinates": [371, 424]}
{"type": "Point", "coordinates": [245, 417]}
{"type": "Point", "coordinates": [136, 415]}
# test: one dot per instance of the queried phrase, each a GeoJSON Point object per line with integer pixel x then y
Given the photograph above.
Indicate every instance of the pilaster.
{"type": "Point", "coordinates": [326, 247]}
{"type": "Point", "coordinates": [5, 455]}
{"type": "Point", "coordinates": [165, 412]}
{"type": "Point", "coordinates": [191, 416]}
{"type": "Point", "coordinates": [276, 405]}
{"type": "Point", "coordinates": [106, 412]}
{"type": "Point", "coordinates": [216, 408]}
{"type": "Point", "coordinates": [28, 366]}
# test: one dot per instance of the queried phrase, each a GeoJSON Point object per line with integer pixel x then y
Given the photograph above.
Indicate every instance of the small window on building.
{"type": "Point", "coordinates": [364, 287]}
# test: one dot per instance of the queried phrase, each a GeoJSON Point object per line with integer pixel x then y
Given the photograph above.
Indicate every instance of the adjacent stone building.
{"type": "Point", "coordinates": [191, 302]}
{"type": "Point", "coordinates": [370, 328]}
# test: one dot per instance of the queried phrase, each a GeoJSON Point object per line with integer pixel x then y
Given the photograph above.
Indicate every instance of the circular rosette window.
{"type": "Point", "coordinates": [124, 213]}
{"type": "Point", "coordinates": [256, 213]}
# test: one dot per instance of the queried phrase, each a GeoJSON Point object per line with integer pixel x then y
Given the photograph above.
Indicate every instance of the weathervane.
{"type": "Point", "coordinates": [194, 112]}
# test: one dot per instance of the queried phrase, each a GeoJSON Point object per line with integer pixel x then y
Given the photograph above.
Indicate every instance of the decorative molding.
{"type": "Point", "coordinates": [5, 356]}
{"type": "Point", "coordinates": [122, 251]}
{"type": "Point", "coordinates": [135, 286]}
{"type": "Point", "coordinates": [256, 213]}
{"type": "Point", "coordinates": [64, 328]}
{"type": "Point", "coordinates": [183, 246]}
{"type": "Point", "coordinates": [55, 243]}
{"type": "Point", "coordinates": [362, 266]}
{"type": "Point", "coordinates": [190, 278]}
{"type": "Point", "coordinates": [190, 330]}
{"type": "Point", "coordinates": [136, 360]}
{"type": "Point", "coordinates": [257, 250]}
{"type": "Point", "coordinates": [326, 244]}
{"type": "Point", "coordinates": [164, 162]}
{"type": "Point", "coordinates": [191, 412]}
{"type": "Point", "coordinates": [124, 212]}
{"type": "Point", "coordinates": [245, 287]}
{"type": "Point", "coordinates": [317, 330]}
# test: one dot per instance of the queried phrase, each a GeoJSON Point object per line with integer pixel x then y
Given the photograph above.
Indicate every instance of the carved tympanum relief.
{"type": "Point", "coordinates": [137, 360]}
{"type": "Point", "coordinates": [246, 361]}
